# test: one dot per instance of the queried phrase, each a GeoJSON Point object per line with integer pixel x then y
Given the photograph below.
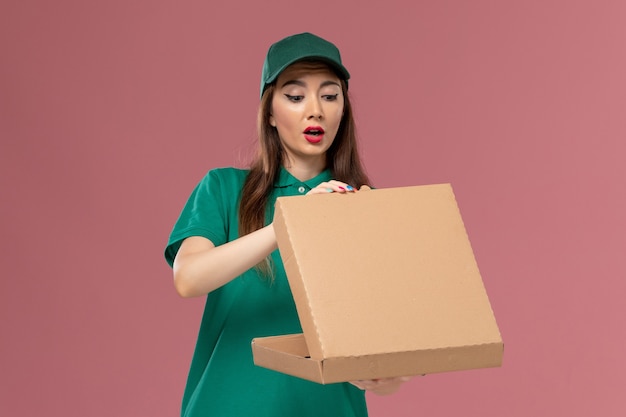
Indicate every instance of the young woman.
{"type": "Point", "coordinates": [224, 245]}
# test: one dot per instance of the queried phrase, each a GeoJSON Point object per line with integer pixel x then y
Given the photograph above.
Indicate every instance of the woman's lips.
{"type": "Point", "coordinates": [314, 134]}
{"type": "Point", "coordinates": [314, 139]}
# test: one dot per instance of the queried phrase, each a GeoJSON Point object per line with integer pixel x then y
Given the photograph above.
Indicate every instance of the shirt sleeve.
{"type": "Point", "coordinates": [205, 214]}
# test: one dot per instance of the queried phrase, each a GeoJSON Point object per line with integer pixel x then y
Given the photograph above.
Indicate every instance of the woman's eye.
{"type": "Point", "coordinates": [330, 97]}
{"type": "Point", "coordinates": [295, 99]}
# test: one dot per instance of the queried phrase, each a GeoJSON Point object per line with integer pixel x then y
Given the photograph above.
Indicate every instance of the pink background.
{"type": "Point", "coordinates": [111, 111]}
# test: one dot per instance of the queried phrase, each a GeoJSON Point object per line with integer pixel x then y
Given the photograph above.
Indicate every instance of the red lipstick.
{"type": "Point", "coordinates": [313, 134]}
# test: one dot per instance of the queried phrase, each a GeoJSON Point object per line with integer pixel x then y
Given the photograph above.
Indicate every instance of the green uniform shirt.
{"type": "Point", "coordinates": [223, 380]}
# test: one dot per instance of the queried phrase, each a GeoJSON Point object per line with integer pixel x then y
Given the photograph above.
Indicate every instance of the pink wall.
{"type": "Point", "coordinates": [111, 111]}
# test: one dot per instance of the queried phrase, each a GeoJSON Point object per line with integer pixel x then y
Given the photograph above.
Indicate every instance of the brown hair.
{"type": "Point", "coordinates": [342, 159]}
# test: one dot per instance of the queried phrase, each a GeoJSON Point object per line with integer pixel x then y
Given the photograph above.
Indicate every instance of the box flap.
{"type": "Point", "coordinates": [382, 271]}
{"type": "Point", "coordinates": [287, 354]}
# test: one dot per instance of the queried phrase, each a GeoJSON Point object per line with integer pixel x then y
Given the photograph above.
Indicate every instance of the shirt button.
{"type": "Point", "coordinates": [301, 189]}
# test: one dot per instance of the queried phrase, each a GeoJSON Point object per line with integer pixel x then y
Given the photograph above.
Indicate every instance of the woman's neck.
{"type": "Point", "coordinates": [304, 170]}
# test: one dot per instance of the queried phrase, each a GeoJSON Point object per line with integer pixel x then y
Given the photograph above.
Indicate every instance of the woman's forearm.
{"type": "Point", "coordinates": [200, 267]}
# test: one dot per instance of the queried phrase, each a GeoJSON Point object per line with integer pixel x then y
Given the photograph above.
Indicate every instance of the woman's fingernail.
{"type": "Point", "coordinates": [350, 188]}
{"type": "Point", "coordinates": [341, 188]}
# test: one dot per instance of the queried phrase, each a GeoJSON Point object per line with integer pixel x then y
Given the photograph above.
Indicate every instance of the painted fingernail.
{"type": "Point", "coordinates": [350, 188]}
{"type": "Point", "coordinates": [330, 190]}
{"type": "Point", "coordinates": [341, 188]}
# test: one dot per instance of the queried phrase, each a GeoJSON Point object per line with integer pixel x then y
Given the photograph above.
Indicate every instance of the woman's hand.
{"type": "Point", "coordinates": [332, 186]}
{"type": "Point", "coordinates": [382, 386]}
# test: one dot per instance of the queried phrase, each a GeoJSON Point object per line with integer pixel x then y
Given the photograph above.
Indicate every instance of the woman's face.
{"type": "Point", "coordinates": [307, 108]}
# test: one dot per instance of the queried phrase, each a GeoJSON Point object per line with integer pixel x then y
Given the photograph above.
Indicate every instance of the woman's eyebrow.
{"type": "Point", "coordinates": [294, 82]}
{"type": "Point", "coordinates": [330, 82]}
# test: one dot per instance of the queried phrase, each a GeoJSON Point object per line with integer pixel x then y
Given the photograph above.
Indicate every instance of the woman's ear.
{"type": "Point", "coordinates": [272, 121]}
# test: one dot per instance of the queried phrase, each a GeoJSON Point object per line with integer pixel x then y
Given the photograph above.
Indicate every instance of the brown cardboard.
{"type": "Point", "coordinates": [385, 283]}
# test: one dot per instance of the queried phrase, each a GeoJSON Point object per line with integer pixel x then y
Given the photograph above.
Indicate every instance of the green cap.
{"type": "Point", "coordinates": [296, 48]}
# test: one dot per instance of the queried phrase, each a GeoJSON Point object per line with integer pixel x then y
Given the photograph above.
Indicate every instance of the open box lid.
{"type": "Point", "coordinates": [383, 271]}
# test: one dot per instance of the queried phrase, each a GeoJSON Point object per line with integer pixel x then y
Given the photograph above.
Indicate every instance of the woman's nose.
{"type": "Point", "coordinates": [315, 110]}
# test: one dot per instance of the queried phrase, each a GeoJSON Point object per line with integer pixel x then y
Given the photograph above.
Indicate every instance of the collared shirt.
{"type": "Point", "coordinates": [223, 380]}
{"type": "Point", "coordinates": [286, 180]}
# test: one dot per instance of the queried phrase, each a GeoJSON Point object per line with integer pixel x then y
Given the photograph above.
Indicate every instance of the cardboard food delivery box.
{"type": "Point", "coordinates": [385, 284]}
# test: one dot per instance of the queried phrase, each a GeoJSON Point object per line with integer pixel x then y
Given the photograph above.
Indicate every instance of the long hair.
{"type": "Point", "coordinates": [342, 159]}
